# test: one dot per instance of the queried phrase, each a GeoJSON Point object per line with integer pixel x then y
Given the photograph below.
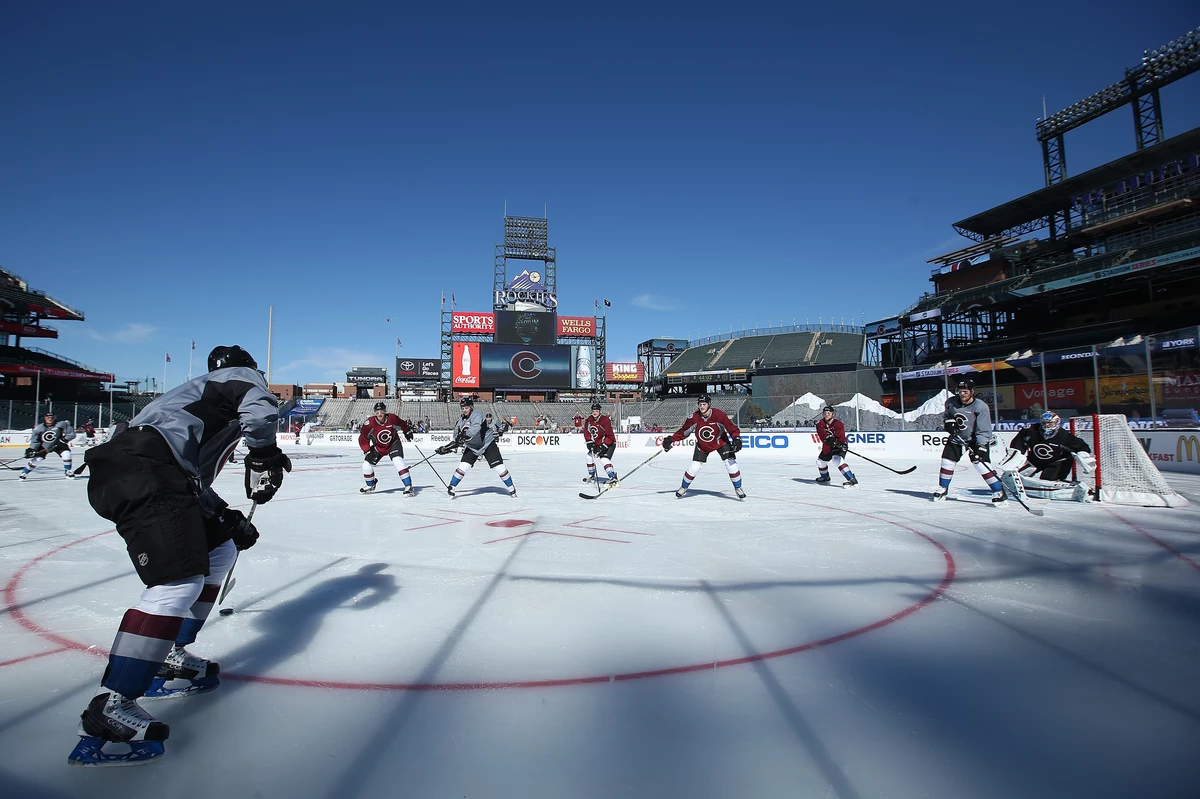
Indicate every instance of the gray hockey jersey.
{"type": "Point", "coordinates": [478, 434]}
{"type": "Point", "coordinates": [974, 420]}
{"type": "Point", "coordinates": [48, 437]}
{"type": "Point", "coordinates": [202, 419]}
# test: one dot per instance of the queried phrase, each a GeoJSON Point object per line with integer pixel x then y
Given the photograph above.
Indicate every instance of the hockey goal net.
{"type": "Point", "coordinates": [1124, 473]}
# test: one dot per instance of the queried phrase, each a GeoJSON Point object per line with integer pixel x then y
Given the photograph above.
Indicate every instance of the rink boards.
{"type": "Point", "coordinates": [1171, 450]}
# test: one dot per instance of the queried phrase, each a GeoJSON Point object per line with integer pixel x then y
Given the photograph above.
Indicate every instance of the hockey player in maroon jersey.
{"type": "Point", "coordinates": [89, 430]}
{"type": "Point", "coordinates": [601, 443]}
{"type": "Point", "coordinates": [714, 433]}
{"type": "Point", "coordinates": [834, 446]}
{"type": "Point", "coordinates": [379, 436]}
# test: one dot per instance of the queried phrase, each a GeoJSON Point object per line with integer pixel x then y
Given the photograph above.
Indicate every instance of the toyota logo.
{"type": "Point", "coordinates": [407, 366]}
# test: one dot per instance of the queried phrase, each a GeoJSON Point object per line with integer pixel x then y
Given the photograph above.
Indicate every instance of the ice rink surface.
{"type": "Point", "coordinates": [808, 641]}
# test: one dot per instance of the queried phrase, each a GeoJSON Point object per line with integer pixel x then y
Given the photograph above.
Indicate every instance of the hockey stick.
{"type": "Point", "coordinates": [230, 580]}
{"type": "Point", "coordinates": [877, 463]}
{"type": "Point", "coordinates": [974, 456]}
{"type": "Point", "coordinates": [431, 466]}
{"type": "Point", "coordinates": [611, 486]}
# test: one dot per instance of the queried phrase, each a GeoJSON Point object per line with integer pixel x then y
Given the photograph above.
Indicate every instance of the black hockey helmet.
{"type": "Point", "coordinates": [704, 398]}
{"type": "Point", "coordinates": [466, 402]}
{"type": "Point", "coordinates": [597, 407]}
{"type": "Point", "coordinates": [224, 357]}
{"type": "Point", "coordinates": [965, 383]}
{"type": "Point", "coordinates": [379, 406]}
{"type": "Point", "coordinates": [48, 415]}
{"type": "Point", "coordinates": [828, 409]}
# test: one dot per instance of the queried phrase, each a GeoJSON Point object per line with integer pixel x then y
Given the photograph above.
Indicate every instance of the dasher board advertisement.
{"type": "Point", "coordinates": [465, 366]}
{"type": "Point", "coordinates": [515, 366]}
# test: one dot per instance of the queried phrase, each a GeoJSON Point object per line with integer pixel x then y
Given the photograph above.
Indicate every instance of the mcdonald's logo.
{"type": "Point", "coordinates": [1188, 444]}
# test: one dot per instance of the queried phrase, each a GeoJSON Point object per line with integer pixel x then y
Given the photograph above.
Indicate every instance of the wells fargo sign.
{"type": "Point", "coordinates": [577, 326]}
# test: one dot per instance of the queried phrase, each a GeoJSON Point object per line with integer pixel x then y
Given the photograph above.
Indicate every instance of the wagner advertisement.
{"type": "Point", "coordinates": [517, 366]}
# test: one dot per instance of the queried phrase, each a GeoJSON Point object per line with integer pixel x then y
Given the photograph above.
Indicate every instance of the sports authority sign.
{"type": "Point", "coordinates": [461, 322]}
{"type": "Point", "coordinates": [577, 326]}
{"type": "Point", "coordinates": [625, 372]}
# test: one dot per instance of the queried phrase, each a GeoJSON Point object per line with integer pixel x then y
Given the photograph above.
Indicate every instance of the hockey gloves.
{"type": "Point", "coordinates": [950, 426]}
{"type": "Point", "coordinates": [667, 442]}
{"type": "Point", "coordinates": [242, 531]}
{"type": "Point", "coordinates": [408, 435]}
{"type": "Point", "coordinates": [736, 443]}
{"type": "Point", "coordinates": [264, 472]}
{"type": "Point", "coordinates": [30, 452]}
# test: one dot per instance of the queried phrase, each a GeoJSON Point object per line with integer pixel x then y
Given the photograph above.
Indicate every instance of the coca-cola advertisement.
{"type": "Point", "coordinates": [465, 367]}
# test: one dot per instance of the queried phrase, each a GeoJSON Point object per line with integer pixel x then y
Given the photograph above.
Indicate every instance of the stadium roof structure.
{"type": "Point", "coordinates": [17, 297]}
{"type": "Point", "coordinates": [1034, 210]}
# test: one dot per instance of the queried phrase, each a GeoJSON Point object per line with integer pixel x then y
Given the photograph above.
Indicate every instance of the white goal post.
{"type": "Point", "coordinates": [1124, 474]}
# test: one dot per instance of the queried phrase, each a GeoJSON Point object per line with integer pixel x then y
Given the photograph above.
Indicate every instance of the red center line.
{"type": "Point", "coordinates": [4, 663]}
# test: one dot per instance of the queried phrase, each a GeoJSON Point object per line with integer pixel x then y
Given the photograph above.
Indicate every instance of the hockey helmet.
{"type": "Point", "coordinates": [965, 384]}
{"type": "Point", "coordinates": [380, 406]}
{"type": "Point", "coordinates": [828, 409]}
{"type": "Point", "coordinates": [597, 407]}
{"type": "Point", "coordinates": [1050, 423]}
{"type": "Point", "coordinates": [704, 398]}
{"type": "Point", "coordinates": [466, 402]}
{"type": "Point", "coordinates": [48, 415]}
{"type": "Point", "coordinates": [225, 357]}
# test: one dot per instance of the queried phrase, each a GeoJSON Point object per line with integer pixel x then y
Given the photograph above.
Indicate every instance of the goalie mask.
{"type": "Point", "coordinates": [1050, 423]}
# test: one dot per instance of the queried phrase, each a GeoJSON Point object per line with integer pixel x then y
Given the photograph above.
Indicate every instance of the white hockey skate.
{"type": "Point", "coordinates": [740, 493]}
{"type": "Point", "coordinates": [184, 674]}
{"type": "Point", "coordinates": [113, 718]}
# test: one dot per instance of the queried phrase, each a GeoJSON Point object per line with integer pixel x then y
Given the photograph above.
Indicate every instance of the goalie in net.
{"type": "Point", "coordinates": [1044, 456]}
{"type": "Point", "coordinates": [1124, 473]}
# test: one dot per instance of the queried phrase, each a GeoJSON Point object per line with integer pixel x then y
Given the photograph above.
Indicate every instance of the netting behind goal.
{"type": "Point", "coordinates": [1124, 474]}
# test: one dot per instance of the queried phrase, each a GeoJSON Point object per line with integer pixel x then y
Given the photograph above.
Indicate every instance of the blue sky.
{"type": "Point", "coordinates": [175, 169]}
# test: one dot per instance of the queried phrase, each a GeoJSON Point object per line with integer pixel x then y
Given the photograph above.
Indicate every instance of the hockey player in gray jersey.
{"type": "Point", "coordinates": [478, 439]}
{"type": "Point", "coordinates": [968, 423]}
{"type": "Point", "coordinates": [154, 481]}
{"type": "Point", "coordinates": [50, 437]}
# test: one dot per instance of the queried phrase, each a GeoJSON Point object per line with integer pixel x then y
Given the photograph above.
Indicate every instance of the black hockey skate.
{"type": "Point", "coordinates": [740, 493]}
{"type": "Point", "coordinates": [823, 478]}
{"type": "Point", "coordinates": [184, 674]}
{"type": "Point", "coordinates": [369, 488]}
{"type": "Point", "coordinates": [851, 483]}
{"type": "Point", "coordinates": [111, 718]}
{"type": "Point", "coordinates": [409, 491]}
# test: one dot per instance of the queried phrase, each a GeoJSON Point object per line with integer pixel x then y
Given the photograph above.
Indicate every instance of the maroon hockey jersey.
{"type": "Point", "coordinates": [381, 436]}
{"type": "Point", "coordinates": [710, 432]}
{"type": "Point", "coordinates": [598, 431]}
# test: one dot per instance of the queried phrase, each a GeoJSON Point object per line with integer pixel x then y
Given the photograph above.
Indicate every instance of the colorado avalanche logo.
{"type": "Point", "coordinates": [960, 421]}
{"type": "Point", "coordinates": [1043, 452]}
{"type": "Point", "coordinates": [593, 430]}
{"type": "Point", "coordinates": [525, 365]}
{"type": "Point", "coordinates": [49, 436]}
{"type": "Point", "coordinates": [385, 436]}
{"type": "Point", "coordinates": [707, 434]}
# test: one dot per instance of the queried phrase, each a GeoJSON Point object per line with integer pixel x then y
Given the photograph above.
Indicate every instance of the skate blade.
{"type": "Point", "coordinates": [89, 752]}
{"type": "Point", "coordinates": [172, 689]}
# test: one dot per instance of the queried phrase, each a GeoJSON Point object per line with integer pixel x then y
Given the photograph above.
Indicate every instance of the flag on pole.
{"type": "Point", "coordinates": [398, 344]}
{"type": "Point", "coordinates": [452, 303]}
{"type": "Point", "coordinates": [193, 343]}
{"type": "Point", "coordinates": [168, 357]}
{"type": "Point", "coordinates": [443, 298]}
